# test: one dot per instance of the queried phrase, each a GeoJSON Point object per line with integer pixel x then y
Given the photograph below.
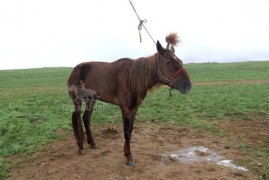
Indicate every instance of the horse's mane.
{"type": "Point", "coordinates": [143, 73]}
{"type": "Point", "coordinates": [144, 70]}
{"type": "Point", "coordinates": [172, 39]}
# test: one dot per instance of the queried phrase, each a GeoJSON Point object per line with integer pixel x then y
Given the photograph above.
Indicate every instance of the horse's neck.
{"type": "Point", "coordinates": [148, 78]}
{"type": "Point", "coordinates": [153, 75]}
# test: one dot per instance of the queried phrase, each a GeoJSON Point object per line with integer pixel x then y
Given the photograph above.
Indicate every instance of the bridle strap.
{"type": "Point", "coordinates": [175, 75]}
{"type": "Point", "coordinates": [160, 74]}
{"type": "Point", "coordinates": [178, 72]}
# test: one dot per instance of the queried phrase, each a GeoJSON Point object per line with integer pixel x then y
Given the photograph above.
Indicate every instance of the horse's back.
{"type": "Point", "coordinates": [97, 69]}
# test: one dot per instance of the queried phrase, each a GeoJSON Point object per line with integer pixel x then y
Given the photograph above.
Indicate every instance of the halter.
{"type": "Point", "coordinates": [173, 77]}
{"type": "Point", "coordinates": [178, 72]}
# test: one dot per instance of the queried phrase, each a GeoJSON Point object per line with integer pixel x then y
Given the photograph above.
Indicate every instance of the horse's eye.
{"type": "Point", "coordinates": [169, 62]}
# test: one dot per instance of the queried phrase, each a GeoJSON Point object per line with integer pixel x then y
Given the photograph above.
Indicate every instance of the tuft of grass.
{"type": "Point", "coordinates": [3, 169]}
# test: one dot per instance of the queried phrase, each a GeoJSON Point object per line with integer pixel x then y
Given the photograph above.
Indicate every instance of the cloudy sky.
{"type": "Point", "coordinates": [52, 33]}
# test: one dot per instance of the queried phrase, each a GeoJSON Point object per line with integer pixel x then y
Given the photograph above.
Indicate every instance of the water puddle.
{"type": "Point", "coordinates": [197, 154]}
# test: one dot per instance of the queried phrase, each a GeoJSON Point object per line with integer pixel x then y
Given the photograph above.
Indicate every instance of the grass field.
{"type": "Point", "coordinates": [34, 105]}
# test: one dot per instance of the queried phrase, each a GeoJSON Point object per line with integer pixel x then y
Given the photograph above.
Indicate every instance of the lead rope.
{"type": "Point", "coordinates": [170, 92]}
{"type": "Point", "coordinates": [141, 24]}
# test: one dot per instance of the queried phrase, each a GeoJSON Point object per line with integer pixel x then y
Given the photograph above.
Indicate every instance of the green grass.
{"type": "Point", "coordinates": [34, 104]}
{"type": "Point", "coordinates": [207, 72]}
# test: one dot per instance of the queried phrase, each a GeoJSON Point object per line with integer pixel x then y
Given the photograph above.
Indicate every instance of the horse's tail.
{"type": "Point", "coordinates": [71, 80]}
{"type": "Point", "coordinates": [79, 74]}
{"type": "Point", "coordinates": [74, 82]}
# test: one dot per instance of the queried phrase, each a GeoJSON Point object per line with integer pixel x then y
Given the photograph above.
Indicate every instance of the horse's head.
{"type": "Point", "coordinates": [170, 68]}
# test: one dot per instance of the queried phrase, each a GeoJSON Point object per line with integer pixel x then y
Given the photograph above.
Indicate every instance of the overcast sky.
{"type": "Point", "coordinates": [52, 33]}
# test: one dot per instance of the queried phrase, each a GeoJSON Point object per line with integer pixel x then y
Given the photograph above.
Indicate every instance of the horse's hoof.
{"type": "Point", "coordinates": [130, 164]}
{"type": "Point", "coordinates": [94, 146]}
{"type": "Point", "coordinates": [81, 151]}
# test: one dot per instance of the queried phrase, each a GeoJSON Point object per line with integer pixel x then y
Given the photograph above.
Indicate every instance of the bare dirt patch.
{"type": "Point", "coordinates": [149, 142]}
{"type": "Point", "coordinates": [249, 133]}
{"type": "Point", "coordinates": [231, 82]}
{"type": "Point", "coordinates": [253, 129]}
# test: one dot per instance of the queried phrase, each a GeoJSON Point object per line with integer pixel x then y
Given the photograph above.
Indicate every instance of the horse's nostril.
{"type": "Point", "coordinates": [185, 83]}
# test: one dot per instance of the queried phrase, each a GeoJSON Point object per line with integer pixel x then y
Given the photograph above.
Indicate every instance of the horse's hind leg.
{"type": "Point", "coordinates": [87, 122]}
{"type": "Point", "coordinates": [77, 127]}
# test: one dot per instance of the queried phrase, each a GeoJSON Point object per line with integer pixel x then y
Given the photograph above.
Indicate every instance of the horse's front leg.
{"type": "Point", "coordinates": [128, 121]}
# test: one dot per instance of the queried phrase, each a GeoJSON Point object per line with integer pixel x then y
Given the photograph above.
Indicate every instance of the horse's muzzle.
{"type": "Point", "coordinates": [186, 87]}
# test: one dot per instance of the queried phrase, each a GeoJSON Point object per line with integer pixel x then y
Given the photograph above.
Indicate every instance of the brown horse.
{"type": "Point", "coordinates": [124, 83]}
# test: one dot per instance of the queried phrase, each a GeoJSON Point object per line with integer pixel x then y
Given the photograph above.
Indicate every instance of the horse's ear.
{"type": "Point", "coordinates": [160, 49]}
{"type": "Point", "coordinates": [172, 49]}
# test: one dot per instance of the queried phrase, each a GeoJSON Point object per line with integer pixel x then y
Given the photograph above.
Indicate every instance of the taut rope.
{"type": "Point", "coordinates": [141, 24]}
